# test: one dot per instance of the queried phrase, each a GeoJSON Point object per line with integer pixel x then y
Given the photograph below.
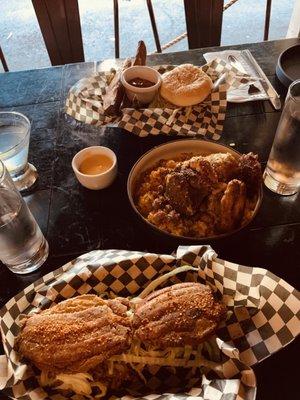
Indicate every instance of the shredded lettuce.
{"type": "Point", "coordinates": [137, 357]}
{"type": "Point", "coordinates": [47, 378]}
{"type": "Point", "coordinates": [80, 383]}
{"type": "Point", "coordinates": [102, 388]}
{"type": "Point", "coordinates": [158, 281]}
{"type": "Point", "coordinates": [186, 356]}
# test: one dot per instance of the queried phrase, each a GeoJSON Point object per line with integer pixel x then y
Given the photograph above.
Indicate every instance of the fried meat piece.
{"type": "Point", "coordinates": [250, 172]}
{"type": "Point", "coordinates": [76, 335]}
{"type": "Point", "coordinates": [200, 164]}
{"type": "Point", "coordinates": [189, 184]}
{"type": "Point", "coordinates": [225, 165]}
{"type": "Point", "coordinates": [213, 204]}
{"type": "Point", "coordinates": [182, 314]}
{"type": "Point", "coordinates": [232, 205]}
{"type": "Point", "coordinates": [226, 204]}
{"type": "Point", "coordinates": [183, 197]}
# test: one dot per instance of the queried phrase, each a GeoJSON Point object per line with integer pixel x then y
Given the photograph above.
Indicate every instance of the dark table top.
{"type": "Point", "coordinates": [76, 220]}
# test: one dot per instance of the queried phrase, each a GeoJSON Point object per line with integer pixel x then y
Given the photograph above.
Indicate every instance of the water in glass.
{"type": "Point", "coordinates": [23, 247]}
{"type": "Point", "coordinates": [282, 174]}
{"type": "Point", "coordinates": [14, 147]}
{"type": "Point", "coordinates": [14, 144]}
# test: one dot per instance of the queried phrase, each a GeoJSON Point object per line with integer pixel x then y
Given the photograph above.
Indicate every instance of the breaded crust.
{"type": "Point", "coordinates": [225, 166]}
{"type": "Point", "coordinates": [182, 314]}
{"type": "Point", "coordinates": [250, 172]}
{"type": "Point", "coordinates": [77, 334]}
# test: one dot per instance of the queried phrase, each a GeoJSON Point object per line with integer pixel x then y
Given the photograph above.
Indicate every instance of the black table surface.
{"type": "Point", "coordinates": [76, 220]}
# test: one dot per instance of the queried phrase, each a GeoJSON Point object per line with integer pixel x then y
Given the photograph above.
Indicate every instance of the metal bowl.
{"type": "Point", "coordinates": [168, 151]}
{"type": "Point", "coordinates": [288, 65]}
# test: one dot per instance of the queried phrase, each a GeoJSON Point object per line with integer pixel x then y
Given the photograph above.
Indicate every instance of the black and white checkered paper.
{"type": "Point", "coordinates": [265, 315]}
{"type": "Point", "coordinates": [84, 103]}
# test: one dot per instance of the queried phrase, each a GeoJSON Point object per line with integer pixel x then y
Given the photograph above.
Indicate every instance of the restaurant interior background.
{"type": "Point", "coordinates": [23, 46]}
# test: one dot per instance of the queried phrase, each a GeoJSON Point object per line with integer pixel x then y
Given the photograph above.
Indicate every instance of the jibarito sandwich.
{"type": "Point", "coordinates": [89, 345]}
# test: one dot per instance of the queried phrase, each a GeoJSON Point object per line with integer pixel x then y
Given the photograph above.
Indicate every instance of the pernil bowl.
{"type": "Point", "coordinates": [168, 151]}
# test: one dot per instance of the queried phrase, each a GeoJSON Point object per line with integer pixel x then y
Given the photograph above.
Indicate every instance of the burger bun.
{"type": "Point", "coordinates": [186, 85]}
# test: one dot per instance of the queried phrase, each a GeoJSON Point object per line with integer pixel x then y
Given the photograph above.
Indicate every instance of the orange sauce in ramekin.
{"type": "Point", "coordinates": [95, 164]}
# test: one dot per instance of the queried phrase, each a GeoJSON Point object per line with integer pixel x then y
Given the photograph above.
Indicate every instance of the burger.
{"type": "Point", "coordinates": [186, 85]}
{"type": "Point", "coordinates": [89, 345]}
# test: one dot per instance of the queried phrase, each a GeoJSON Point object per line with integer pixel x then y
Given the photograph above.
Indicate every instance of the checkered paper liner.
{"type": "Point", "coordinates": [84, 103]}
{"type": "Point", "coordinates": [265, 315]}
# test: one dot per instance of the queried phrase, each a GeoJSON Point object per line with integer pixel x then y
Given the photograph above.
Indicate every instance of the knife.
{"type": "Point", "coordinates": [265, 83]}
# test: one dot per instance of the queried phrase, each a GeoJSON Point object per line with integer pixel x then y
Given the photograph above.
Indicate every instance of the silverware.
{"type": "Point", "coordinates": [239, 66]}
{"type": "Point", "coordinates": [236, 64]}
{"type": "Point", "coordinates": [252, 89]}
{"type": "Point", "coordinates": [265, 83]}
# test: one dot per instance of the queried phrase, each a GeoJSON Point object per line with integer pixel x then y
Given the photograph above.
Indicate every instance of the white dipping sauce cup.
{"type": "Point", "coordinates": [143, 95]}
{"type": "Point", "coordinates": [97, 181]}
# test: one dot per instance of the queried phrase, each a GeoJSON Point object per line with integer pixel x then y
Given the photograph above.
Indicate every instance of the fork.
{"type": "Point", "coordinates": [236, 64]}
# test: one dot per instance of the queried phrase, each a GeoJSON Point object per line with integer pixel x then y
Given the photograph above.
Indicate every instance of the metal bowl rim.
{"type": "Point", "coordinates": [279, 64]}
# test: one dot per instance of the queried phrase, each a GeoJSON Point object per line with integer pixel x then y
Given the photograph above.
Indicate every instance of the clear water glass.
{"type": "Point", "coordinates": [23, 248]}
{"type": "Point", "coordinates": [282, 173]}
{"type": "Point", "coordinates": [14, 144]}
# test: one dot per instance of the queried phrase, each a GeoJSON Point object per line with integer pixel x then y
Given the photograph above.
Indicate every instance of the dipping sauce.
{"type": "Point", "coordinates": [95, 164]}
{"type": "Point", "coordinates": [141, 83]}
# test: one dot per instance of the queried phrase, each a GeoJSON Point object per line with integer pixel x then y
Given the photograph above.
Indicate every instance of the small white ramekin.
{"type": "Point", "coordinates": [143, 95]}
{"type": "Point", "coordinates": [97, 181]}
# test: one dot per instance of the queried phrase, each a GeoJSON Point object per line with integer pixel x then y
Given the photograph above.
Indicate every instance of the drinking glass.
{"type": "Point", "coordinates": [282, 173]}
{"type": "Point", "coordinates": [14, 144]}
{"type": "Point", "coordinates": [23, 247]}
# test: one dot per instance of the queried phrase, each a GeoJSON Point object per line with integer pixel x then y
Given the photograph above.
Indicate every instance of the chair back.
{"type": "Point", "coordinates": [60, 26]}
{"type": "Point", "coordinates": [203, 22]}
